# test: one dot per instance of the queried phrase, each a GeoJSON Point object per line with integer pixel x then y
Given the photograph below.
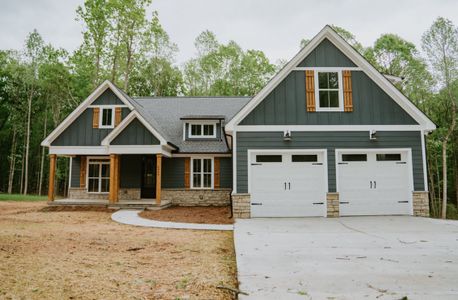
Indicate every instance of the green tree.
{"type": "Point", "coordinates": [440, 42]}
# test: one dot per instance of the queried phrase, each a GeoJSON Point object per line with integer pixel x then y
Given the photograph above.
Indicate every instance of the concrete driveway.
{"type": "Point", "coordinates": [347, 258]}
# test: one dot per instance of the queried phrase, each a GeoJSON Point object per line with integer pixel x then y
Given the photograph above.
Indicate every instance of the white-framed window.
{"type": "Point", "coordinates": [202, 173]}
{"type": "Point", "coordinates": [202, 130]}
{"type": "Point", "coordinates": [98, 175]}
{"type": "Point", "coordinates": [329, 93]}
{"type": "Point", "coordinates": [107, 116]}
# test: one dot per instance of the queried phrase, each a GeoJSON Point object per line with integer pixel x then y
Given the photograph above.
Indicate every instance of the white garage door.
{"type": "Point", "coordinates": [374, 183]}
{"type": "Point", "coordinates": [288, 184]}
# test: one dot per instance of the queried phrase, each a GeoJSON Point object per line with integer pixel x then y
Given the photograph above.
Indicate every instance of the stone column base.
{"type": "Point", "coordinates": [332, 205]}
{"type": "Point", "coordinates": [420, 204]}
{"type": "Point", "coordinates": [241, 208]}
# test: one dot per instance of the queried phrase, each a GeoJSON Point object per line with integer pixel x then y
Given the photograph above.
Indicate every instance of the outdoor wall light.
{"type": "Point", "coordinates": [287, 135]}
{"type": "Point", "coordinates": [372, 135]}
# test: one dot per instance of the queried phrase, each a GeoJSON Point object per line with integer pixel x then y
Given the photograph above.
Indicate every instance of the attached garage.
{"type": "Point", "coordinates": [374, 182]}
{"type": "Point", "coordinates": [288, 183]}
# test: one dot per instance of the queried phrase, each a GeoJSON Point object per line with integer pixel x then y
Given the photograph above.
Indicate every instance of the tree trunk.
{"type": "Point", "coordinates": [40, 184]}
{"type": "Point", "coordinates": [432, 188]}
{"type": "Point", "coordinates": [21, 188]}
{"type": "Point", "coordinates": [444, 158]}
{"type": "Point", "coordinates": [27, 143]}
{"type": "Point", "coordinates": [12, 162]}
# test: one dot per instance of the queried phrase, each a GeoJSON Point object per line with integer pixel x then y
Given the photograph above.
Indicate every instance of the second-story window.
{"type": "Point", "coordinates": [202, 130]}
{"type": "Point", "coordinates": [106, 118]}
{"type": "Point", "coordinates": [329, 91]}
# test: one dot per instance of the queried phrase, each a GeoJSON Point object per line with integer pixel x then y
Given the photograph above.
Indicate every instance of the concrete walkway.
{"type": "Point", "coordinates": [131, 217]}
{"type": "Point", "coordinates": [347, 258]}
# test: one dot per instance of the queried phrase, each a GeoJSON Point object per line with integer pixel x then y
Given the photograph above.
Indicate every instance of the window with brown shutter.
{"type": "Point", "coordinates": [216, 173]}
{"type": "Point", "coordinates": [310, 90]}
{"type": "Point", "coordinates": [118, 115]}
{"type": "Point", "coordinates": [187, 172]}
{"type": "Point", "coordinates": [95, 117]}
{"type": "Point", "coordinates": [347, 91]}
{"type": "Point", "coordinates": [83, 172]}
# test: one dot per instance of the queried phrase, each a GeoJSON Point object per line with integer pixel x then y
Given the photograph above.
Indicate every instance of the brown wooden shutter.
{"type": "Point", "coordinates": [216, 173]}
{"type": "Point", "coordinates": [348, 95]}
{"type": "Point", "coordinates": [95, 117]}
{"type": "Point", "coordinates": [118, 115]}
{"type": "Point", "coordinates": [83, 162]}
{"type": "Point", "coordinates": [187, 172]}
{"type": "Point", "coordinates": [310, 90]}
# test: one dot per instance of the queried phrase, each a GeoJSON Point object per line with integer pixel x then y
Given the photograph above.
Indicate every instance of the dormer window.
{"type": "Point", "coordinates": [106, 117]}
{"type": "Point", "coordinates": [329, 91]}
{"type": "Point", "coordinates": [202, 130]}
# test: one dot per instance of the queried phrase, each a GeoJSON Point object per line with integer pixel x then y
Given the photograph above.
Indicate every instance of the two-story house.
{"type": "Point", "coordinates": [327, 136]}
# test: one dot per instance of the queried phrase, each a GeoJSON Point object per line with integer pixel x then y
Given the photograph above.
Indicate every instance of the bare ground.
{"type": "Point", "coordinates": [84, 255]}
{"type": "Point", "coordinates": [200, 215]}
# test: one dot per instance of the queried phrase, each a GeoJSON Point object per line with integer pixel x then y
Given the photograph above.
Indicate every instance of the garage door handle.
{"type": "Point", "coordinates": [401, 162]}
{"type": "Point", "coordinates": [344, 202]}
{"type": "Point", "coordinates": [289, 185]}
{"type": "Point", "coordinates": [318, 203]}
{"type": "Point", "coordinates": [317, 164]}
{"type": "Point", "coordinates": [256, 203]}
{"type": "Point", "coordinates": [255, 164]}
{"type": "Point", "coordinates": [403, 201]}
{"type": "Point", "coordinates": [341, 163]}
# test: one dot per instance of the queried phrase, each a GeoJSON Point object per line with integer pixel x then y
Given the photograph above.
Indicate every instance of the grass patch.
{"type": "Point", "coordinates": [19, 197]}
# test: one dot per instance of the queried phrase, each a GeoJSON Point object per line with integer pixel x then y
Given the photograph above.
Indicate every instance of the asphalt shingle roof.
{"type": "Point", "coordinates": [164, 115]}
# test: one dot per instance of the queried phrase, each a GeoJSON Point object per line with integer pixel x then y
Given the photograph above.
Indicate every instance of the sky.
{"type": "Point", "coordinates": [273, 26]}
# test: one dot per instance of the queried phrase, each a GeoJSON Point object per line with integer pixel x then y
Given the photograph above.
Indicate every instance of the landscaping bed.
{"type": "Point", "coordinates": [85, 255]}
{"type": "Point", "coordinates": [185, 214]}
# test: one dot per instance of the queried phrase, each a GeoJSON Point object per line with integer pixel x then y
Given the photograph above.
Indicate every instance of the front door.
{"type": "Point", "coordinates": [148, 189]}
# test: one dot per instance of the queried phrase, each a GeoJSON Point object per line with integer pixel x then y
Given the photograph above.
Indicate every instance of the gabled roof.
{"type": "Point", "coordinates": [166, 112]}
{"type": "Point", "coordinates": [82, 107]}
{"type": "Point", "coordinates": [328, 33]}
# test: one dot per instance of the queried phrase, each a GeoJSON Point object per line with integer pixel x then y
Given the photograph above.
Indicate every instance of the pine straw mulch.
{"type": "Point", "coordinates": [85, 255]}
{"type": "Point", "coordinates": [184, 214]}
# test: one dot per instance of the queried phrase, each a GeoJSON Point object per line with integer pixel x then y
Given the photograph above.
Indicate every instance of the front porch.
{"type": "Point", "coordinates": [97, 180]}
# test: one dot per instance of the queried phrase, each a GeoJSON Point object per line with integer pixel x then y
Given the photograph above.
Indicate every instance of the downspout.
{"type": "Point", "coordinates": [232, 162]}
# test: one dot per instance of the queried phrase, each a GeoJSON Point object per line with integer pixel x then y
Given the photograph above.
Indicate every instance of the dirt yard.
{"type": "Point", "coordinates": [201, 215]}
{"type": "Point", "coordinates": [84, 255]}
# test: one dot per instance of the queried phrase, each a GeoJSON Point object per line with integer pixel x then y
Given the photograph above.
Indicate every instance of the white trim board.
{"type": "Point", "coordinates": [328, 33]}
{"type": "Point", "coordinates": [106, 150]}
{"type": "Point", "coordinates": [291, 128]}
{"type": "Point", "coordinates": [127, 120]}
{"type": "Point", "coordinates": [82, 107]}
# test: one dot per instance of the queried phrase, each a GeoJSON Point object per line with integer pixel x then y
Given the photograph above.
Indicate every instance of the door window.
{"type": "Point", "coordinates": [388, 157]}
{"type": "Point", "coordinates": [268, 158]}
{"type": "Point", "coordinates": [304, 158]}
{"type": "Point", "coordinates": [354, 157]}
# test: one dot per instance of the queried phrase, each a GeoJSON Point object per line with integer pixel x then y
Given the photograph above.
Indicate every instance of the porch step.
{"type": "Point", "coordinates": [149, 205]}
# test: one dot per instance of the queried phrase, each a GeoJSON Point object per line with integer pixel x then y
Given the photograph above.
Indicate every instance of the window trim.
{"type": "Point", "coordinates": [88, 160]}
{"type": "Point", "coordinates": [202, 136]}
{"type": "Point", "coordinates": [113, 109]}
{"type": "Point", "coordinates": [202, 173]}
{"type": "Point", "coordinates": [340, 90]}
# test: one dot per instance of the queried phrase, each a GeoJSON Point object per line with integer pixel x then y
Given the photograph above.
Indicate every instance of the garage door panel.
{"type": "Point", "coordinates": [379, 186]}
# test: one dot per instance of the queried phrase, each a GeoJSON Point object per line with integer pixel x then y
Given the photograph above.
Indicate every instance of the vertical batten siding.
{"type": "Point", "coordinates": [286, 105]}
{"type": "Point", "coordinates": [225, 172]}
{"type": "Point", "coordinates": [75, 178]}
{"type": "Point", "coordinates": [135, 134]}
{"type": "Point", "coordinates": [81, 133]}
{"type": "Point", "coordinates": [329, 141]}
{"type": "Point", "coordinates": [326, 55]}
{"type": "Point", "coordinates": [173, 172]}
{"type": "Point", "coordinates": [108, 98]}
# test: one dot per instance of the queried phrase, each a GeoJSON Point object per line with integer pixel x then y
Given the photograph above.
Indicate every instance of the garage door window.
{"type": "Point", "coordinates": [305, 158]}
{"type": "Point", "coordinates": [268, 158]}
{"type": "Point", "coordinates": [389, 157]}
{"type": "Point", "coordinates": [354, 157]}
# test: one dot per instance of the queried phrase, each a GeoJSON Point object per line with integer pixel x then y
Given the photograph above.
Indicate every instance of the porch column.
{"type": "Point", "coordinates": [158, 178]}
{"type": "Point", "coordinates": [114, 178]}
{"type": "Point", "coordinates": [52, 176]}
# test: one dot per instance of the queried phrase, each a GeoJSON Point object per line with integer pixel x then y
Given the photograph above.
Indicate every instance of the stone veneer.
{"type": "Point", "coordinates": [420, 204]}
{"type": "Point", "coordinates": [332, 205]}
{"type": "Point", "coordinates": [241, 208]}
{"type": "Point", "coordinates": [190, 197]}
{"type": "Point", "coordinates": [129, 194]}
{"type": "Point", "coordinates": [81, 193]}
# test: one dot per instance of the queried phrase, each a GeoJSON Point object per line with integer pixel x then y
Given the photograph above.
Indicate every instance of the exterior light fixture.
{"type": "Point", "coordinates": [372, 135]}
{"type": "Point", "coordinates": [287, 135]}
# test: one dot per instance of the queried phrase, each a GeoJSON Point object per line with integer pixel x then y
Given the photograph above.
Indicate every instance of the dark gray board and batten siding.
{"type": "Point", "coordinates": [135, 134]}
{"type": "Point", "coordinates": [326, 55]}
{"type": "Point", "coordinates": [108, 97]}
{"type": "Point", "coordinates": [329, 141]}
